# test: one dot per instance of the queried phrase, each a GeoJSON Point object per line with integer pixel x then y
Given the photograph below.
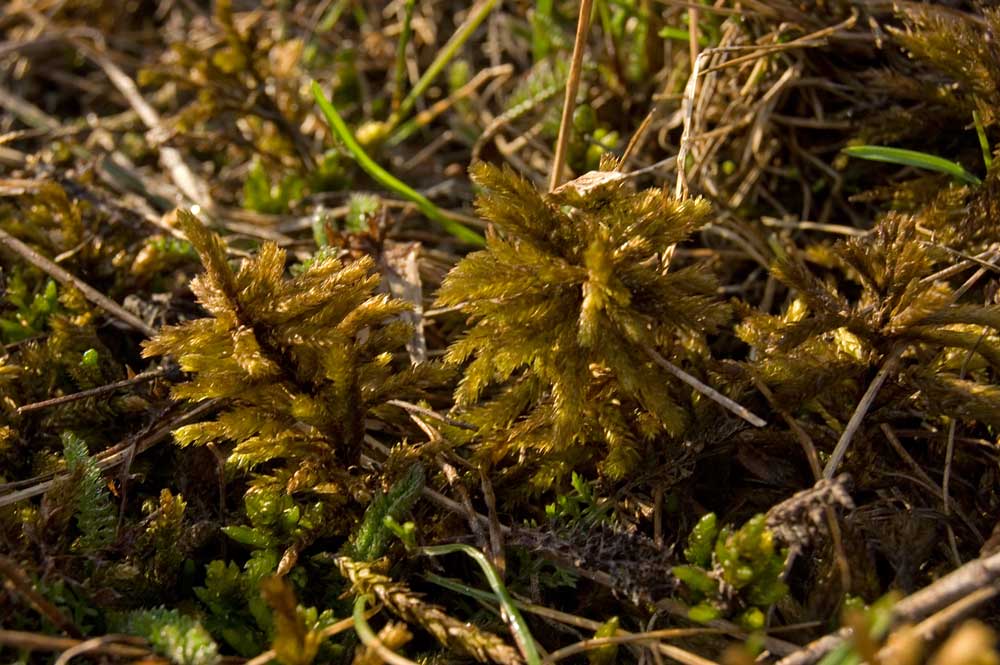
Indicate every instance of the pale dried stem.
{"type": "Point", "coordinates": [193, 187]}
{"type": "Point", "coordinates": [572, 86]}
{"type": "Point", "coordinates": [706, 390]}
{"type": "Point", "coordinates": [116, 455]}
{"type": "Point", "coordinates": [20, 639]}
{"type": "Point", "coordinates": [93, 392]}
{"type": "Point", "coordinates": [888, 367]}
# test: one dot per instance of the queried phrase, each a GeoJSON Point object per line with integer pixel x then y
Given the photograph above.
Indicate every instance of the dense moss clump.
{"type": "Point", "coordinates": [296, 363]}
{"type": "Point", "coordinates": [572, 292]}
{"type": "Point", "coordinates": [931, 348]}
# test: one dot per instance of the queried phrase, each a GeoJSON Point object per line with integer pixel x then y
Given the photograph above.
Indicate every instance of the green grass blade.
{"type": "Point", "coordinates": [520, 629]}
{"type": "Point", "coordinates": [476, 16]}
{"type": "Point", "coordinates": [920, 160]}
{"type": "Point", "coordinates": [683, 35]}
{"type": "Point", "coordinates": [385, 178]}
{"type": "Point", "coordinates": [541, 23]}
{"type": "Point", "coordinates": [399, 80]}
{"type": "Point", "coordinates": [984, 143]}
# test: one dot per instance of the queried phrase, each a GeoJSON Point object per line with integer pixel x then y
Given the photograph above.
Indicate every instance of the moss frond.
{"type": "Point", "coordinates": [571, 289]}
{"type": "Point", "coordinates": [95, 514]}
{"type": "Point", "coordinates": [178, 637]}
{"type": "Point", "coordinates": [301, 361]}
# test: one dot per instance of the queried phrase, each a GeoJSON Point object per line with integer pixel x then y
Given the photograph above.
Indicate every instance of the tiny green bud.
{"type": "Point", "coordinates": [752, 619]}
{"type": "Point", "coordinates": [90, 358]}
{"type": "Point", "coordinates": [703, 613]}
{"type": "Point", "coordinates": [584, 119]}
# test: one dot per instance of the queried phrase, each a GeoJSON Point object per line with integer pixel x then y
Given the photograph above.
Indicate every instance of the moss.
{"type": "Point", "coordinates": [570, 293]}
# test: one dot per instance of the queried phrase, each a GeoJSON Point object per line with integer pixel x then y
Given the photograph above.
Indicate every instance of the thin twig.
{"type": "Point", "coordinates": [813, 39]}
{"type": "Point", "coordinates": [94, 645]}
{"type": "Point", "coordinates": [36, 642]}
{"type": "Point", "coordinates": [414, 408]}
{"type": "Point", "coordinates": [854, 423]}
{"type": "Point", "coordinates": [496, 533]}
{"type": "Point", "coordinates": [950, 448]}
{"type": "Point", "coordinates": [687, 107]}
{"type": "Point", "coordinates": [637, 136]}
{"type": "Point", "coordinates": [679, 655]}
{"type": "Point", "coordinates": [693, 35]}
{"type": "Point", "coordinates": [809, 448]}
{"type": "Point", "coordinates": [934, 626]}
{"type": "Point", "coordinates": [706, 390]}
{"type": "Point", "coordinates": [572, 86]}
{"type": "Point", "coordinates": [94, 392]}
{"type": "Point", "coordinates": [117, 454]}
{"type": "Point", "coordinates": [922, 476]}
{"type": "Point", "coordinates": [983, 259]}
{"type": "Point", "coordinates": [68, 279]}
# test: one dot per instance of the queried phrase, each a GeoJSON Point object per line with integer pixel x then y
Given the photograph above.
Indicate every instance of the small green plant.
{"type": "Point", "coordinates": [870, 623]}
{"type": "Point", "coordinates": [262, 195]}
{"type": "Point", "coordinates": [31, 311]}
{"type": "Point", "coordinates": [248, 609]}
{"type": "Point", "coordinates": [236, 612]}
{"type": "Point", "coordinates": [579, 508]}
{"type": "Point", "coordinates": [565, 303]}
{"type": "Point", "coordinates": [178, 637]}
{"type": "Point", "coordinates": [745, 560]}
{"type": "Point", "coordinates": [95, 514]}
{"type": "Point", "coordinates": [374, 534]}
{"type": "Point", "coordinates": [360, 210]}
{"type": "Point", "coordinates": [275, 518]}
{"type": "Point", "coordinates": [160, 549]}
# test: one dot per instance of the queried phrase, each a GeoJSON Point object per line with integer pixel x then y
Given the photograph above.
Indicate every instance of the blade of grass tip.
{"type": "Point", "coordinates": [476, 16]}
{"type": "Point", "coordinates": [404, 41]}
{"type": "Point", "coordinates": [682, 35]}
{"type": "Point", "coordinates": [541, 22]}
{"type": "Point", "coordinates": [922, 160]}
{"type": "Point", "coordinates": [518, 626]}
{"type": "Point", "coordinates": [385, 178]}
{"type": "Point", "coordinates": [984, 143]}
